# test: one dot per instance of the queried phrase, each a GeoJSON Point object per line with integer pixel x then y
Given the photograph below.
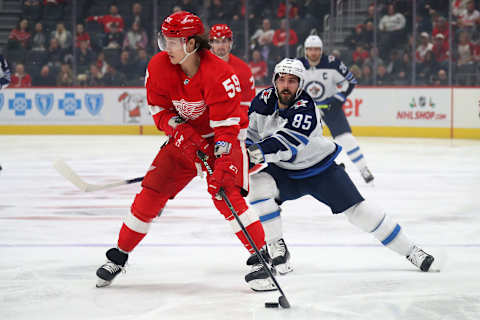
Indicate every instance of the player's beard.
{"type": "Point", "coordinates": [286, 97]}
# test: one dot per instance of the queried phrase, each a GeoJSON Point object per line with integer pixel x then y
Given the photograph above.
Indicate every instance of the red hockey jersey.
{"type": "Point", "coordinates": [247, 82]}
{"type": "Point", "coordinates": [209, 101]}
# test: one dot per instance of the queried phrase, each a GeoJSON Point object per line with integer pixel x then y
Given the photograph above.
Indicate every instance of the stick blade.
{"type": "Point", "coordinates": [64, 169]}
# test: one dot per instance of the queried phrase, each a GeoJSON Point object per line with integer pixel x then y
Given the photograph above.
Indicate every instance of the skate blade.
{"type": "Point", "coordinates": [284, 268]}
{"type": "Point", "coordinates": [102, 283]}
{"type": "Point", "coordinates": [262, 285]}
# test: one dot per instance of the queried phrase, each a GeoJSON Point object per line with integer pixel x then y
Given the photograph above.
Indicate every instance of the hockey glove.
{"type": "Point", "coordinates": [225, 170]}
{"type": "Point", "coordinates": [255, 155]}
{"type": "Point", "coordinates": [188, 141]}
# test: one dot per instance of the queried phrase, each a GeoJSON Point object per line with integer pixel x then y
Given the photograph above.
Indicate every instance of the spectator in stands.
{"type": "Point", "coordinates": [112, 78]}
{"type": "Point", "coordinates": [441, 79]}
{"type": "Point", "coordinates": [360, 55]}
{"type": "Point", "coordinates": [469, 18]}
{"type": "Point", "coordinates": [45, 78]}
{"type": "Point", "coordinates": [441, 26]}
{"type": "Point", "coordinates": [370, 14]}
{"type": "Point", "coordinates": [368, 34]}
{"type": "Point", "coordinates": [135, 38]}
{"type": "Point", "coordinates": [63, 36]}
{"type": "Point", "coordinates": [94, 77]}
{"type": "Point", "coordinates": [137, 16]}
{"type": "Point", "coordinates": [394, 66]}
{"type": "Point", "coordinates": [20, 79]}
{"type": "Point", "coordinates": [357, 37]}
{"type": "Point", "coordinates": [85, 57]}
{"type": "Point", "coordinates": [82, 35]}
{"type": "Point", "coordinates": [19, 37]}
{"type": "Point", "coordinates": [114, 38]}
{"type": "Point", "coordinates": [65, 76]}
{"type": "Point", "coordinates": [392, 28]}
{"type": "Point", "coordinates": [282, 9]}
{"type": "Point", "coordinates": [189, 5]}
{"type": "Point", "coordinates": [101, 63]}
{"type": "Point", "coordinates": [440, 50]}
{"type": "Point", "coordinates": [458, 7]}
{"type": "Point", "coordinates": [141, 63]}
{"type": "Point", "coordinates": [367, 77]}
{"type": "Point", "coordinates": [464, 53]}
{"type": "Point", "coordinates": [258, 66]}
{"type": "Point", "coordinates": [426, 69]}
{"type": "Point", "coordinates": [125, 65]}
{"type": "Point", "coordinates": [374, 57]}
{"type": "Point", "coordinates": [55, 54]}
{"type": "Point", "coordinates": [262, 39]}
{"type": "Point", "coordinates": [39, 39]}
{"type": "Point", "coordinates": [32, 10]}
{"type": "Point", "coordinates": [424, 46]}
{"type": "Point", "coordinates": [383, 77]}
{"type": "Point", "coordinates": [280, 40]}
{"type": "Point", "coordinates": [109, 20]}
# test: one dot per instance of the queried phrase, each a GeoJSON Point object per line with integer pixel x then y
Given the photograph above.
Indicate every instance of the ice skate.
{"type": "Point", "coordinates": [278, 254]}
{"type": "Point", "coordinates": [259, 279]}
{"type": "Point", "coordinates": [253, 259]}
{"type": "Point", "coordinates": [366, 175]}
{"type": "Point", "coordinates": [420, 258]}
{"type": "Point", "coordinates": [114, 265]}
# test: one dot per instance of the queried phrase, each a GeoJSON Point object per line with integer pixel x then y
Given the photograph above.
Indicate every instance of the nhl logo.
{"type": "Point", "coordinates": [94, 103]}
{"type": "Point", "coordinates": [44, 103]}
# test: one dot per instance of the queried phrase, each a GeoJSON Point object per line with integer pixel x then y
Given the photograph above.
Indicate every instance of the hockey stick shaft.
{"type": "Point", "coordinates": [68, 173]}
{"type": "Point", "coordinates": [203, 158]}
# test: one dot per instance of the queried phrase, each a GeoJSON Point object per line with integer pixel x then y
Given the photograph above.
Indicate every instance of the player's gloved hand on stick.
{"type": "Point", "coordinates": [225, 170]}
{"type": "Point", "coordinates": [188, 141]}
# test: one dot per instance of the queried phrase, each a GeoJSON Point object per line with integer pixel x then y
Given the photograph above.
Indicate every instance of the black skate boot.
{"type": "Point", "coordinates": [258, 278]}
{"type": "Point", "coordinates": [253, 259]}
{"type": "Point", "coordinates": [420, 258]}
{"type": "Point", "coordinates": [114, 265]}
{"type": "Point", "coordinates": [278, 255]}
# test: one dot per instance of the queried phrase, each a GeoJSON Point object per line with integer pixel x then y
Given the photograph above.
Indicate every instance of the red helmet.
{"type": "Point", "coordinates": [219, 31]}
{"type": "Point", "coordinates": [182, 24]}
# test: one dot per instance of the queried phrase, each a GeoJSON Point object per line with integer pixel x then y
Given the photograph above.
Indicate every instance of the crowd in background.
{"type": "Point", "coordinates": [114, 40]}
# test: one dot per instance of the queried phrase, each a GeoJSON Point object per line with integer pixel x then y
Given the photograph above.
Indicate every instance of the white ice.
{"type": "Point", "coordinates": [190, 266]}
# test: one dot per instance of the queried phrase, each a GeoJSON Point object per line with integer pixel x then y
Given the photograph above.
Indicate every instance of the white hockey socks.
{"type": "Point", "coordinates": [371, 219]}
{"type": "Point", "coordinates": [352, 149]}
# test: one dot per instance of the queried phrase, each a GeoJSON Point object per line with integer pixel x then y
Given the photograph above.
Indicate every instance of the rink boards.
{"type": "Point", "coordinates": [388, 111]}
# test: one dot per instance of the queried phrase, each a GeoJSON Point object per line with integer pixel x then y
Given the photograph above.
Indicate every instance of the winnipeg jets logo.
{"type": "Point", "coordinates": [266, 95]}
{"type": "Point", "coordinates": [189, 110]}
{"type": "Point", "coordinates": [300, 103]}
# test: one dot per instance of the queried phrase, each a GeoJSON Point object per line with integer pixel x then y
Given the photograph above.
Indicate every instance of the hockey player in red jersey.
{"type": "Point", "coordinates": [194, 98]}
{"type": "Point", "coordinates": [221, 41]}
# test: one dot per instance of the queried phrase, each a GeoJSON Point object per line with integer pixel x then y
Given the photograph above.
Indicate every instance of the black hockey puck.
{"type": "Point", "coordinates": [271, 304]}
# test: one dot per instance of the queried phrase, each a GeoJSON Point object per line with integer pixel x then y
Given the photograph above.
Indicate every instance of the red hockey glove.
{"type": "Point", "coordinates": [188, 141]}
{"type": "Point", "coordinates": [225, 171]}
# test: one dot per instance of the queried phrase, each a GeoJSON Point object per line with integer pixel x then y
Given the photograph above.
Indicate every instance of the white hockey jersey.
{"type": "Point", "coordinates": [292, 138]}
{"type": "Point", "coordinates": [329, 79]}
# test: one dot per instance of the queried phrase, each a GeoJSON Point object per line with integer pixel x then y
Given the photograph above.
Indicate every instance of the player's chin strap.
{"type": "Point", "coordinates": [186, 53]}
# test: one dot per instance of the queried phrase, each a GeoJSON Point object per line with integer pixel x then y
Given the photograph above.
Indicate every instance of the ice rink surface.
{"type": "Point", "coordinates": [190, 266]}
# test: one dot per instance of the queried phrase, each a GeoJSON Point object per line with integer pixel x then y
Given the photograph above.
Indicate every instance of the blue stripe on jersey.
{"type": "Point", "coordinates": [300, 137]}
{"type": "Point", "coordinates": [258, 201]}
{"type": "Point", "coordinates": [392, 235]}
{"type": "Point", "coordinates": [357, 158]}
{"type": "Point", "coordinates": [269, 216]}
{"type": "Point", "coordinates": [378, 225]}
{"type": "Point", "coordinates": [289, 138]}
{"type": "Point", "coordinates": [294, 153]}
{"type": "Point", "coordinates": [353, 150]}
{"type": "Point", "coordinates": [316, 169]}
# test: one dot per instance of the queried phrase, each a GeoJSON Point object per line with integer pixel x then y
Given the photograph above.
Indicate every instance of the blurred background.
{"type": "Point", "coordinates": [88, 43]}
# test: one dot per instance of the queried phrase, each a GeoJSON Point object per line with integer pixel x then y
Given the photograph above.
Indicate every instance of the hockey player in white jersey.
{"type": "Point", "coordinates": [322, 77]}
{"type": "Point", "coordinates": [285, 135]}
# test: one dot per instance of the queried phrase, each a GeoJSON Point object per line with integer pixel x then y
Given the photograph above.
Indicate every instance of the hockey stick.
{"type": "Point", "coordinates": [282, 300]}
{"type": "Point", "coordinates": [67, 172]}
